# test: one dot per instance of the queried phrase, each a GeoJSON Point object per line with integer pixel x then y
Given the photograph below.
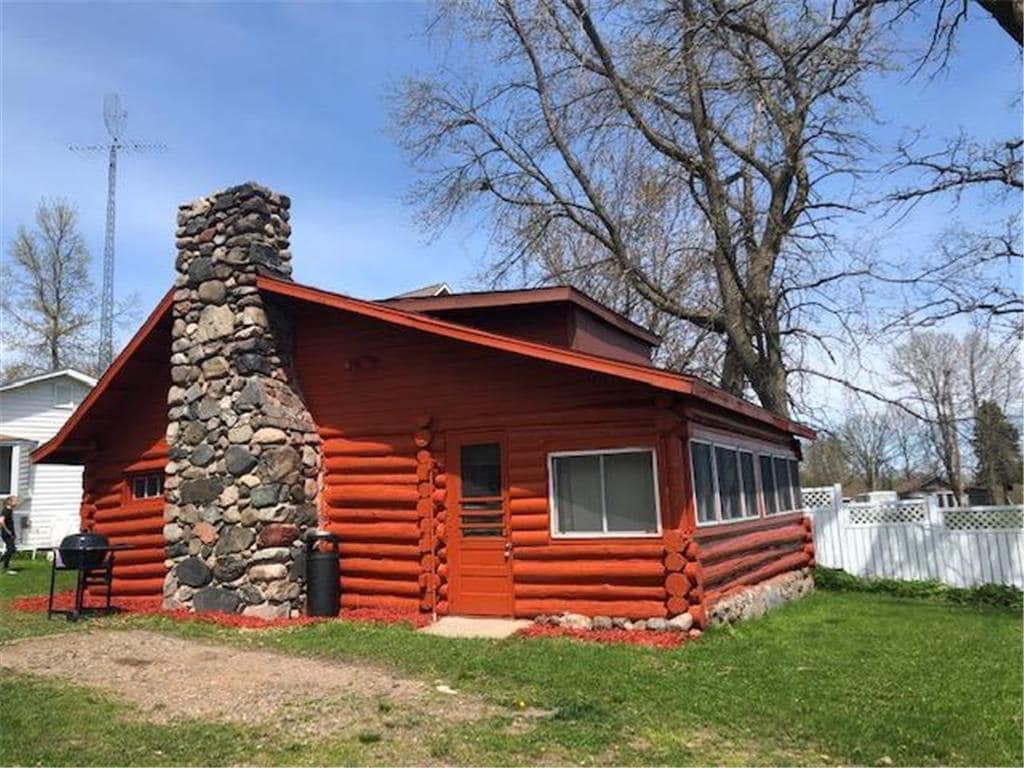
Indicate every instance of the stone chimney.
{"type": "Point", "coordinates": [242, 481]}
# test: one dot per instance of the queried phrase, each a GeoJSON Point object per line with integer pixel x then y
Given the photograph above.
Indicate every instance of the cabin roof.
{"type": "Point", "coordinates": [387, 312]}
{"type": "Point", "coordinates": [524, 298]}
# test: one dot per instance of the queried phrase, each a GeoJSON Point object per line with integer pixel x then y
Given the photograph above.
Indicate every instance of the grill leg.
{"type": "Point", "coordinates": [79, 596]}
{"type": "Point", "coordinates": [53, 582]}
{"type": "Point", "coordinates": [109, 578]}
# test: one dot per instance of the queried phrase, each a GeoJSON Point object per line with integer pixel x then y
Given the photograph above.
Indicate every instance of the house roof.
{"type": "Point", "coordinates": [427, 291]}
{"type": "Point", "coordinates": [484, 299]}
{"type": "Point", "coordinates": [14, 439]}
{"type": "Point", "coordinates": [385, 312]}
{"type": "Point", "coordinates": [84, 378]}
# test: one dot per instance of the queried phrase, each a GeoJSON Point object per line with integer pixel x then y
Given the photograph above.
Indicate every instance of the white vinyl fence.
{"type": "Point", "coordinates": [916, 540]}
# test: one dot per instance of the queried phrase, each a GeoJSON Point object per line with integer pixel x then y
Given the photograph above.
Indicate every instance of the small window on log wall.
{"type": "Point", "coordinates": [604, 493]}
{"type": "Point", "coordinates": [149, 486]}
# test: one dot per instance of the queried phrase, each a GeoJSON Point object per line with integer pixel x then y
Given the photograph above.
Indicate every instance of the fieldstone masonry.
{"type": "Point", "coordinates": [242, 480]}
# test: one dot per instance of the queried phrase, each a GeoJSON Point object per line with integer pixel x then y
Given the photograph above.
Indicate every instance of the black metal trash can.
{"type": "Point", "coordinates": [322, 590]}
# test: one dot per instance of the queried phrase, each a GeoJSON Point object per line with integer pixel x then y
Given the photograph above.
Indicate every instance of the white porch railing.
{"type": "Point", "coordinates": [915, 540]}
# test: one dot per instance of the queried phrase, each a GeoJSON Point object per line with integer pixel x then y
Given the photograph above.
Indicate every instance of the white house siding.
{"type": "Point", "coordinates": [51, 494]}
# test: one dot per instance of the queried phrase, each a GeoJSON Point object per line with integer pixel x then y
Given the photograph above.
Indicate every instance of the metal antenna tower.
{"type": "Point", "coordinates": [114, 118]}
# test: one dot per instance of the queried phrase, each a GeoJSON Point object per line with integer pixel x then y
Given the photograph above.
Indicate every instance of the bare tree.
{"type": "Point", "coordinates": [692, 151]}
{"type": "Point", "coordinates": [948, 378]}
{"type": "Point", "coordinates": [49, 298]}
{"type": "Point", "coordinates": [867, 441]}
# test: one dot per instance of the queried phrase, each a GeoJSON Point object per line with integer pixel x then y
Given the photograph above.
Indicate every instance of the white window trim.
{"type": "Point", "coordinates": [605, 534]}
{"type": "Point", "coordinates": [15, 469]}
{"type": "Point", "coordinates": [737, 449]}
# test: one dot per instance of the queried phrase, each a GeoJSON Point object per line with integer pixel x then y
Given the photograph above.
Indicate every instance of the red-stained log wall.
{"type": "Point", "coordinates": [385, 401]}
{"type": "Point", "coordinates": [129, 438]}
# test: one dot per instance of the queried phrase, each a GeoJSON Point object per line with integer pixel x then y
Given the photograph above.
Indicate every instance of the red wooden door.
{"type": "Point", "coordinates": [481, 552]}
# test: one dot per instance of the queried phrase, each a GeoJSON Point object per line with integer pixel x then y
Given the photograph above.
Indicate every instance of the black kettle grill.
{"type": "Point", "coordinates": [92, 557]}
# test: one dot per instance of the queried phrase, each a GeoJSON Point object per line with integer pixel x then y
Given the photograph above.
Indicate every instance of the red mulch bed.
{"type": "Point", "coordinates": [153, 606]}
{"type": "Point", "coordinates": [626, 637]}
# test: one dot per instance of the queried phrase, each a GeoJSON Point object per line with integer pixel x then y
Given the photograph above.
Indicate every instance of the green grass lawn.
{"type": "Point", "coordinates": [836, 678]}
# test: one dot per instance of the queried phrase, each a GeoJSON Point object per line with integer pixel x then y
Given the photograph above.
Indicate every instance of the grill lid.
{"type": "Point", "coordinates": [80, 541]}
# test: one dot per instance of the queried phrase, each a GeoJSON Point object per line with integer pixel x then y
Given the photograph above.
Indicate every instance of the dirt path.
{"type": "Point", "coordinates": [166, 677]}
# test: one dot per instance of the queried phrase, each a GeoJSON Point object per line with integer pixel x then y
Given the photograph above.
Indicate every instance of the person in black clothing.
{"type": "Point", "coordinates": [7, 531]}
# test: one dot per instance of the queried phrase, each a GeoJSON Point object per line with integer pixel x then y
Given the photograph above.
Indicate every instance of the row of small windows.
{"type": "Point", "coordinates": [730, 483]}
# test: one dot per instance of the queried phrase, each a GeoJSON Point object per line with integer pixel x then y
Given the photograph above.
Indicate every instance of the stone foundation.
{"type": "Point", "coordinates": [242, 481]}
{"type": "Point", "coordinates": [757, 600]}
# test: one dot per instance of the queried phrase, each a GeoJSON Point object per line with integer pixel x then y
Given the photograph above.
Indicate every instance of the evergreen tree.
{"type": "Point", "coordinates": [997, 448]}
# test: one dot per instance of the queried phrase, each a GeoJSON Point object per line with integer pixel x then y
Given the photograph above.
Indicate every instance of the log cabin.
{"type": "Point", "coordinates": [502, 453]}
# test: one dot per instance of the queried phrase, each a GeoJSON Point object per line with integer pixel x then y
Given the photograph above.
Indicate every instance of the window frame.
{"type": "Point", "coordinates": [736, 448]}
{"type": "Point", "coordinates": [130, 487]}
{"type": "Point", "coordinates": [795, 492]}
{"type": "Point", "coordinates": [15, 467]}
{"type": "Point", "coordinates": [66, 404]}
{"type": "Point", "coordinates": [605, 533]}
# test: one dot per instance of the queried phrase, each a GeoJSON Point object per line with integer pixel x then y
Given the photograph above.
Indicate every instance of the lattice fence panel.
{"type": "Point", "coordinates": [984, 519]}
{"type": "Point", "coordinates": [887, 514]}
{"type": "Point", "coordinates": [815, 498]}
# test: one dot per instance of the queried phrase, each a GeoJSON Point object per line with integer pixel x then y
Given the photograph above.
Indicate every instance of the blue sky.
{"type": "Point", "coordinates": [294, 96]}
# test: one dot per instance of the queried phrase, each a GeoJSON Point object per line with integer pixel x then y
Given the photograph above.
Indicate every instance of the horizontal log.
{"type": "Point", "coordinates": [146, 525]}
{"type": "Point", "coordinates": [632, 609]}
{"type": "Point", "coordinates": [706, 535]}
{"type": "Point", "coordinates": [106, 500]}
{"type": "Point", "coordinates": [529, 522]}
{"type": "Point", "coordinates": [124, 514]}
{"type": "Point", "coordinates": [529, 506]}
{"type": "Point", "coordinates": [378, 549]}
{"type": "Point", "coordinates": [367, 586]}
{"type": "Point", "coordinates": [750, 542]}
{"type": "Point", "coordinates": [139, 570]}
{"type": "Point", "coordinates": [395, 445]}
{"type": "Point", "coordinates": [150, 461]}
{"type": "Point", "coordinates": [388, 480]}
{"type": "Point", "coordinates": [408, 532]}
{"type": "Point", "coordinates": [589, 592]}
{"type": "Point", "coordinates": [385, 495]}
{"type": "Point", "coordinates": [132, 556]}
{"type": "Point", "coordinates": [389, 566]}
{"type": "Point", "coordinates": [351, 515]}
{"type": "Point", "coordinates": [553, 570]}
{"type": "Point", "coordinates": [358, 600]}
{"type": "Point", "coordinates": [347, 464]}
{"type": "Point", "coordinates": [138, 587]}
{"type": "Point", "coordinates": [726, 569]}
{"type": "Point", "coordinates": [529, 539]}
{"type": "Point", "coordinates": [141, 541]}
{"type": "Point", "coordinates": [790, 562]}
{"type": "Point", "coordinates": [561, 550]}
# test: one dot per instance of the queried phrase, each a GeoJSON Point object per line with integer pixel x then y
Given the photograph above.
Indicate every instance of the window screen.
{"type": "Point", "coordinates": [794, 482]}
{"type": "Point", "coordinates": [610, 492]}
{"type": "Point", "coordinates": [6, 470]}
{"type": "Point", "coordinates": [703, 482]}
{"type": "Point", "coordinates": [728, 483]}
{"type": "Point", "coordinates": [771, 502]}
{"type": "Point", "coordinates": [784, 486]}
{"type": "Point", "coordinates": [749, 483]}
{"type": "Point", "coordinates": [481, 470]}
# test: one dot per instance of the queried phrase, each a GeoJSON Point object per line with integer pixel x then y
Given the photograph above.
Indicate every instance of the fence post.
{"type": "Point", "coordinates": [840, 524]}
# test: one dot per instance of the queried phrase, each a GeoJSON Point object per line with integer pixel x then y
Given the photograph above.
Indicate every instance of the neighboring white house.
{"type": "Point", "coordinates": [32, 410]}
